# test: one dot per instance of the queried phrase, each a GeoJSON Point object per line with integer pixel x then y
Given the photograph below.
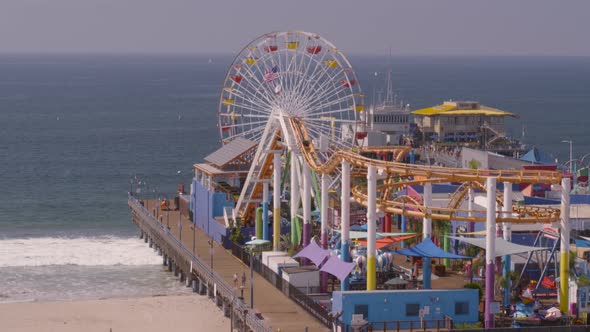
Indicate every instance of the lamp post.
{"type": "Point", "coordinates": [571, 152]}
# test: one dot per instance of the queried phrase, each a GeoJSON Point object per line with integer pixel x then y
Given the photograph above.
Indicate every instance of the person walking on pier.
{"type": "Point", "coordinates": [235, 279]}
{"type": "Point", "coordinates": [244, 279]}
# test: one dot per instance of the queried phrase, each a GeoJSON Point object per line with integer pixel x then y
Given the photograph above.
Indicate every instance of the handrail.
{"type": "Point", "coordinates": [221, 286]}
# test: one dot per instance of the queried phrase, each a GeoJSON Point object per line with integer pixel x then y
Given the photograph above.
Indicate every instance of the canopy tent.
{"type": "Point", "coordinates": [381, 243]}
{"type": "Point", "coordinates": [432, 277]}
{"type": "Point", "coordinates": [354, 235]}
{"type": "Point", "coordinates": [473, 233]}
{"type": "Point", "coordinates": [585, 238]}
{"type": "Point", "coordinates": [582, 243]}
{"type": "Point", "coordinates": [503, 247]}
{"type": "Point", "coordinates": [314, 253]}
{"type": "Point", "coordinates": [537, 156]}
{"type": "Point", "coordinates": [338, 268]}
{"type": "Point", "coordinates": [396, 282]}
{"type": "Point", "coordinates": [257, 242]}
{"type": "Point", "coordinates": [427, 248]}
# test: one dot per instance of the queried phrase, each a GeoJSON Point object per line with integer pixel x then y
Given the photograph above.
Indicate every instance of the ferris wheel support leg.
{"type": "Point", "coordinates": [564, 265]}
{"type": "Point", "coordinates": [426, 233]}
{"type": "Point", "coordinates": [294, 188]}
{"type": "Point", "coordinates": [371, 227]}
{"type": "Point", "coordinates": [345, 219]}
{"type": "Point", "coordinates": [276, 212]}
{"type": "Point", "coordinates": [490, 250]}
{"type": "Point", "coordinates": [507, 232]}
{"type": "Point", "coordinates": [265, 211]}
{"type": "Point", "coordinates": [324, 220]}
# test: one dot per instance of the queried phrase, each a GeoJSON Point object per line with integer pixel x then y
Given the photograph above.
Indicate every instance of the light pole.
{"type": "Point", "coordinates": [571, 152]}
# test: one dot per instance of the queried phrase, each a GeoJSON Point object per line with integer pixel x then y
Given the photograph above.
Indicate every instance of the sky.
{"type": "Point", "coordinates": [420, 27]}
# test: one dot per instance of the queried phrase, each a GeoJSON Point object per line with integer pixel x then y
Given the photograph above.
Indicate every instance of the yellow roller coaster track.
{"type": "Point", "coordinates": [408, 174]}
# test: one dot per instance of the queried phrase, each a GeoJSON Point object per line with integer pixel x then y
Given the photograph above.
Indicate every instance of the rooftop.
{"type": "Point", "coordinates": [454, 108]}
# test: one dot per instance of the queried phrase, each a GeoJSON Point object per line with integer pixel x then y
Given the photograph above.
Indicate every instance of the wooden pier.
{"type": "Point", "coordinates": [209, 268]}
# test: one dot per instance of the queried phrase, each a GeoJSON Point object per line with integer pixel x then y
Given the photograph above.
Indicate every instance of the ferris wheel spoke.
{"type": "Point", "coordinates": [256, 102]}
{"type": "Point", "coordinates": [324, 89]}
{"type": "Point", "coordinates": [329, 104]}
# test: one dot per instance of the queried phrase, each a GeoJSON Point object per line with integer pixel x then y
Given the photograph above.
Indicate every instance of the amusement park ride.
{"type": "Point", "coordinates": [298, 98]}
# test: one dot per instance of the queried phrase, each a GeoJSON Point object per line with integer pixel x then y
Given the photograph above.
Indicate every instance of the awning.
{"type": "Point", "coordinates": [314, 253]}
{"type": "Point", "coordinates": [353, 235]}
{"type": "Point", "coordinates": [381, 243]}
{"type": "Point", "coordinates": [427, 248]}
{"type": "Point", "coordinates": [503, 247]}
{"type": "Point", "coordinates": [338, 268]}
{"type": "Point", "coordinates": [582, 243]}
{"type": "Point", "coordinates": [473, 233]}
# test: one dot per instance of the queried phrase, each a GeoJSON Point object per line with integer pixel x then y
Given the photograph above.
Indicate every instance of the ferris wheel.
{"type": "Point", "coordinates": [294, 75]}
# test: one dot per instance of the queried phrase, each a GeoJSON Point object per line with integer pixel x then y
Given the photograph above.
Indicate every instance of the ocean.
{"type": "Point", "coordinates": [76, 128]}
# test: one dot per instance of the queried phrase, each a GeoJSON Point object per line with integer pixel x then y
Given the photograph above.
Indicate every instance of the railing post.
{"type": "Point", "coordinates": [411, 325]}
{"type": "Point", "coordinates": [397, 325]}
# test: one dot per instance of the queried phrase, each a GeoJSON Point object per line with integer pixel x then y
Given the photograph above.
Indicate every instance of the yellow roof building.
{"type": "Point", "coordinates": [465, 121]}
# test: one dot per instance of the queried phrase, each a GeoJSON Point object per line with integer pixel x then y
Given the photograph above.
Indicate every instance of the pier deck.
{"type": "Point", "coordinates": [278, 311]}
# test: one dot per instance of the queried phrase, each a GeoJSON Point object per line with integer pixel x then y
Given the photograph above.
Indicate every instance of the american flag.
{"type": "Point", "coordinates": [271, 74]}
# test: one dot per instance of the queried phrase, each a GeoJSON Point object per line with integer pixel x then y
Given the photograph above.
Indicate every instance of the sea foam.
{"type": "Point", "coordinates": [84, 251]}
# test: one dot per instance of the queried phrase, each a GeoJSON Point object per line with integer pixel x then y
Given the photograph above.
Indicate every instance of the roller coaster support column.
{"type": "Point", "coordinates": [564, 264]}
{"type": "Point", "coordinates": [427, 232]}
{"type": "Point", "coordinates": [470, 200]}
{"type": "Point", "coordinates": [306, 204]}
{"type": "Point", "coordinates": [294, 199]}
{"type": "Point", "coordinates": [371, 227]}
{"type": "Point", "coordinates": [490, 250]}
{"type": "Point", "coordinates": [265, 211]}
{"type": "Point", "coordinates": [388, 223]}
{"type": "Point", "coordinates": [507, 231]}
{"type": "Point", "coordinates": [404, 229]}
{"type": "Point", "coordinates": [324, 220]}
{"type": "Point", "coordinates": [276, 201]}
{"type": "Point", "coordinates": [345, 219]}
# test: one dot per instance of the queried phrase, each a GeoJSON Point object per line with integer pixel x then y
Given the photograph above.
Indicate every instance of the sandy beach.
{"type": "Point", "coordinates": [160, 313]}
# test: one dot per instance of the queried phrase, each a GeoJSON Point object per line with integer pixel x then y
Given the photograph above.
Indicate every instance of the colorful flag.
{"type": "Point", "coordinates": [271, 75]}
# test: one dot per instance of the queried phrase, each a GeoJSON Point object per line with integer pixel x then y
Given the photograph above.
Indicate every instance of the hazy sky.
{"type": "Point", "coordinates": [521, 27]}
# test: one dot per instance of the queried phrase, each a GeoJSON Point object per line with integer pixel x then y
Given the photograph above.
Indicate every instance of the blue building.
{"type": "Point", "coordinates": [405, 306]}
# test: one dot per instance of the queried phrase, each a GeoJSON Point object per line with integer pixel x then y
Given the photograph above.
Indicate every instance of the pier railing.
{"type": "Point", "coordinates": [294, 293]}
{"type": "Point", "coordinates": [205, 270]}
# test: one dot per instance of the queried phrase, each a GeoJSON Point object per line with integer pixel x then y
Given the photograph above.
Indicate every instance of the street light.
{"type": "Point", "coordinates": [571, 152]}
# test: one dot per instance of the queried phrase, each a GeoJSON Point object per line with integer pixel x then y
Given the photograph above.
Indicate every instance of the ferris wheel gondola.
{"type": "Point", "coordinates": [294, 75]}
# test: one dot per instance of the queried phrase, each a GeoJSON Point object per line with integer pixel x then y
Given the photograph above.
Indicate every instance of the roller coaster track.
{"type": "Point", "coordinates": [408, 174]}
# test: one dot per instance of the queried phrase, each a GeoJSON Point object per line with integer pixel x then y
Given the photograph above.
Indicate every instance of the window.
{"type": "Point", "coordinates": [412, 309]}
{"type": "Point", "coordinates": [361, 309]}
{"type": "Point", "coordinates": [461, 308]}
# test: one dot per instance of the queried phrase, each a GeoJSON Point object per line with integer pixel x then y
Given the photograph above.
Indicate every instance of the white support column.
{"type": "Point", "coordinates": [470, 199]}
{"type": "Point", "coordinates": [265, 192]}
{"type": "Point", "coordinates": [426, 233]}
{"type": "Point", "coordinates": [324, 210]}
{"type": "Point", "coordinates": [371, 227]}
{"type": "Point", "coordinates": [295, 239]}
{"type": "Point", "coordinates": [345, 219]}
{"type": "Point", "coordinates": [490, 250]}
{"type": "Point", "coordinates": [276, 213]}
{"type": "Point", "coordinates": [324, 219]}
{"type": "Point", "coordinates": [564, 228]}
{"type": "Point", "coordinates": [507, 232]}
{"type": "Point", "coordinates": [306, 204]}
